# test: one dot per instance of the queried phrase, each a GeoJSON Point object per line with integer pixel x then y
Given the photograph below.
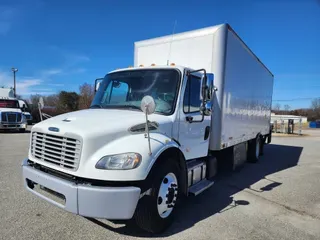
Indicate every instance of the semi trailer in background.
{"type": "Point", "coordinates": [157, 131]}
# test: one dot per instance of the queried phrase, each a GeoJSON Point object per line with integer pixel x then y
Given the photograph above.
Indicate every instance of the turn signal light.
{"type": "Point", "coordinates": [172, 64]}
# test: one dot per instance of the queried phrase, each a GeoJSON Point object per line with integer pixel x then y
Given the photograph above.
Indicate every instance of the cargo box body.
{"type": "Point", "coordinates": [242, 103]}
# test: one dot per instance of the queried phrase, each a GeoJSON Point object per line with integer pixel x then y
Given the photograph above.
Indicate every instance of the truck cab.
{"type": "Point", "coordinates": [111, 154]}
{"type": "Point", "coordinates": [11, 116]}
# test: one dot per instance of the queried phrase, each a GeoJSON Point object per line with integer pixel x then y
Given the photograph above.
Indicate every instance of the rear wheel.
{"type": "Point", "coordinates": [155, 212]}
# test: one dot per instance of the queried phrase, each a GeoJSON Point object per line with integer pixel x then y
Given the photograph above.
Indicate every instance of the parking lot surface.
{"type": "Point", "coordinates": [276, 198]}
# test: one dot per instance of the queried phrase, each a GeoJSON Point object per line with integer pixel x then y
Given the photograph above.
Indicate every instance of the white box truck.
{"type": "Point", "coordinates": [11, 115]}
{"type": "Point", "coordinates": [210, 97]}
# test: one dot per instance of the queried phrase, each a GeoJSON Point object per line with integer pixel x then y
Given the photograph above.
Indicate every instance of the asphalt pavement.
{"type": "Point", "coordinates": [276, 198]}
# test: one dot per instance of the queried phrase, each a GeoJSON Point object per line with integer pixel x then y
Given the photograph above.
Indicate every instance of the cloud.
{"type": "Point", "coordinates": [55, 84]}
{"type": "Point", "coordinates": [72, 59]}
{"type": "Point", "coordinates": [77, 70]}
{"type": "Point", "coordinates": [27, 83]}
{"type": "Point", "coordinates": [42, 92]}
{"type": "Point", "coordinates": [23, 85]}
{"type": "Point", "coordinates": [50, 72]}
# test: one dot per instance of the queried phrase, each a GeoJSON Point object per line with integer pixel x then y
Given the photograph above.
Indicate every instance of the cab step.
{"type": "Point", "coordinates": [199, 187]}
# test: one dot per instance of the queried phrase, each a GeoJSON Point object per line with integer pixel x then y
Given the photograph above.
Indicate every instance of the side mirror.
{"type": "Point", "coordinates": [210, 86]}
{"type": "Point", "coordinates": [97, 84]}
{"type": "Point", "coordinates": [23, 108]}
{"type": "Point", "coordinates": [207, 89]}
{"type": "Point", "coordinates": [207, 86]}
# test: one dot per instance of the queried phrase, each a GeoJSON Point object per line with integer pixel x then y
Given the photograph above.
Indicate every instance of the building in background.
{"type": "Point", "coordinates": [285, 118]}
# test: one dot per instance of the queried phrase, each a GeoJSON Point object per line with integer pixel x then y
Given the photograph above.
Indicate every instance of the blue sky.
{"type": "Point", "coordinates": [58, 45]}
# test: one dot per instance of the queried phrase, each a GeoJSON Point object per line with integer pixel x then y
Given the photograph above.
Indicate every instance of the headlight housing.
{"type": "Point", "coordinates": [124, 161]}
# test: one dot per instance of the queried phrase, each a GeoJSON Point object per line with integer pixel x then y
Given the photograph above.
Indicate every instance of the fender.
{"type": "Point", "coordinates": [137, 143]}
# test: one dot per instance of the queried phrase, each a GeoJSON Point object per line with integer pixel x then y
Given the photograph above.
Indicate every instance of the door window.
{"type": "Point", "coordinates": [191, 100]}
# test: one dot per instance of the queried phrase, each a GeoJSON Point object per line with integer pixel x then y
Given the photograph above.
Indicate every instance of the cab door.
{"type": "Point", "coordinates": [193, 134]}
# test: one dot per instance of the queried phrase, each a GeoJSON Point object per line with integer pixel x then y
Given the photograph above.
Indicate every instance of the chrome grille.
{"type": "Point", "coordinates": [11, 117]}
{"type": "Point", "coordinates": [58, 150]}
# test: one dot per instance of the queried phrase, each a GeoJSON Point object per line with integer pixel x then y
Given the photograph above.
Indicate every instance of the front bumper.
{"type": "Point", "coordinates": [4, 126]}
{"type": "Point", "coordinates": [115, 203]}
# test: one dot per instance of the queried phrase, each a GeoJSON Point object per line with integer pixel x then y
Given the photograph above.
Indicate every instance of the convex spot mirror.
{"type": "Point", "coordinates": [148, 105]}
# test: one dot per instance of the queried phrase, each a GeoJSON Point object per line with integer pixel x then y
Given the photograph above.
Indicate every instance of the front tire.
{"type": "Point", "coordinates": [22, 130]}
{"type": "Point", "coordinates": [155, 212]}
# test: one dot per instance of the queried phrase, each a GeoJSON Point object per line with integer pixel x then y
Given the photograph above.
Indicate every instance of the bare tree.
{"type": "Point", "coordinates": [52, 100]}
{"type": "Point", "coordinates": [315, 104]}
{"type": "Point", "coordinates": [34, 99]}
{"type": "Point", "coordinates": [86, 95]}
{"type": "Point", "coordinates": [277, 107]}
{"type": "Point", "coordinates": [315, 112]}
{"type": "Point", "coordinates": [287, 107]}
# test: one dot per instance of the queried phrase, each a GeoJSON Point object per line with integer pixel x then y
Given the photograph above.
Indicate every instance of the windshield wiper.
{"type": "Point", "coordinates": [96, 106]}
{"type": "Point", "coordinates": [128, 106]}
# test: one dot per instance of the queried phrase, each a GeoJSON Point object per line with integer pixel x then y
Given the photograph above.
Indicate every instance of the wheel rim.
{"type": "Point", "coordinates": [167, 196]}
{"type": "Point", "coordinates": [258, 148]}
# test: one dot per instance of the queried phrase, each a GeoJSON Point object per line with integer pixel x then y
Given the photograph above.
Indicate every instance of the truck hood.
{"type": "Point", "coordinates": [109, 124]}
{"type": "Point", "coordinates": [10, 110]}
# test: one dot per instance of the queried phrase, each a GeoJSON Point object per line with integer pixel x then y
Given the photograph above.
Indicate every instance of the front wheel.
{"type": "Point", "coordinates": [22, 130]}
{"type": "Point", "coordinates": [155, 212]}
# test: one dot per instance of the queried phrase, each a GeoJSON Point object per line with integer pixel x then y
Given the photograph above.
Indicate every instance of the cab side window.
{"type": "Point", "coordinates": [191, 100]}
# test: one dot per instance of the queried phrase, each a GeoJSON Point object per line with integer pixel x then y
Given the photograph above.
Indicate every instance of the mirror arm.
{"type": "Point", "coordinates": [198, 121]}
{"type": "Point", "coordinates": [202, 114]}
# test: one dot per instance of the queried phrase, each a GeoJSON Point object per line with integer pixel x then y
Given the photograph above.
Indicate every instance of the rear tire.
{"type": "Point", "coordinates": [155, 212]}
{"type": "Point", "coordinates": [254, 149]}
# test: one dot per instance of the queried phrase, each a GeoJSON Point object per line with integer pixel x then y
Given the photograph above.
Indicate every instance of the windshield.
{"type": "Point", "coordinates": [6, 103]}
{"type": "Point", "coordinates": [126, 89]}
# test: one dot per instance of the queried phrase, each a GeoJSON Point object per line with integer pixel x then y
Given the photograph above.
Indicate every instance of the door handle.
{"type": "Point", "coordinates": [189, 119]}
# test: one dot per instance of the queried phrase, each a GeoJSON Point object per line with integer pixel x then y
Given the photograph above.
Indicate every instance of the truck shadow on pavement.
{"type": "Point", "coordinates": [218, 199]}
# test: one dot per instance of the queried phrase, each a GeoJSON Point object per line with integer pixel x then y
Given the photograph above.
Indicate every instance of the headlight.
{"type": "Point", "coordinates": [122, 161]}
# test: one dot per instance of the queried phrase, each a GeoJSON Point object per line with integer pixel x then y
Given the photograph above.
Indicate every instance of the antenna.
{"type": "Point", "coordinates": [174, 28]}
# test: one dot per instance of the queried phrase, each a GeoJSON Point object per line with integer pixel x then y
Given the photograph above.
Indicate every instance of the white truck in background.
{"type": "Point", "coordinates": [212, 99]}
{"type": "Point", "coordinates": [11, 115]}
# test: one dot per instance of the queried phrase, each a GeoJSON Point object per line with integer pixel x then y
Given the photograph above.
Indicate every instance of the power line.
{"type": "Point", "coordinates": [295, 99]}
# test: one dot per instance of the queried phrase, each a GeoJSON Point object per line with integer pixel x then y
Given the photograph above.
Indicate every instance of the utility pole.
{"type": "Point", "coordinates": [14, 70]}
